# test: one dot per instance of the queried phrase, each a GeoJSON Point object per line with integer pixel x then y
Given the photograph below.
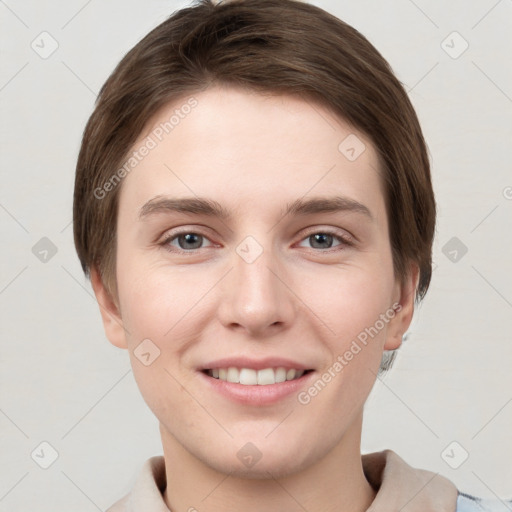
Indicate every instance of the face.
{"type": "Point", "coordinates": [253, 247]}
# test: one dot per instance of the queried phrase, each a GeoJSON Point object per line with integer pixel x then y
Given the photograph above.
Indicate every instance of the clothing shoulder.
{"type": "Point", "coordinates": [468, 503]}
{"type": "Point", "coordinates": [146, 494]}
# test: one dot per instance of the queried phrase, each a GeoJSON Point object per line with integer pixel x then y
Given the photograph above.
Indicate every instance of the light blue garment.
{"type": "Point", "coordinates": [468, 503]}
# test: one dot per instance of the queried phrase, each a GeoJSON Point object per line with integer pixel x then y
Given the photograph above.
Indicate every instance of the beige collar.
{"type": "Point", "coordinates": [404, 488]}
{"type": "Point", "coordinates": [399, 487]}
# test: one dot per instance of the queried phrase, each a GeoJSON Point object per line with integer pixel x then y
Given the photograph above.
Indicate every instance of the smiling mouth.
{"type": "Point", "coordinates": [251, 377]}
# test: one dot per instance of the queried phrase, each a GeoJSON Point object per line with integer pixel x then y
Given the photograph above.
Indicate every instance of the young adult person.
{"type": "Point", "coordinates": [254, 206]}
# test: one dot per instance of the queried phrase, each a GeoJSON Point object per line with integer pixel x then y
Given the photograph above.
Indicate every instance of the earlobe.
{"type": "Point", "coordinates": [404, 310]}
{"type": "Point", "coordinates": [110, 314]}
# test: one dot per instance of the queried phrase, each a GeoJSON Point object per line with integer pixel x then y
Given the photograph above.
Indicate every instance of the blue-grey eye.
{"type": "Point", "coordinates": [321, 240]}
{"type": "Point", "coordinates": [189, 241]}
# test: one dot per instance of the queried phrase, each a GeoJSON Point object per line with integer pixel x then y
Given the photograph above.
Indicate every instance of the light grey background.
{"type": "Point", "coordinates": [61, 382]}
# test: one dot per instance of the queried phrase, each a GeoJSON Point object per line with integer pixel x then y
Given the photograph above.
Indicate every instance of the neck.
{"type": "Point", "coordinates": [335, 482]}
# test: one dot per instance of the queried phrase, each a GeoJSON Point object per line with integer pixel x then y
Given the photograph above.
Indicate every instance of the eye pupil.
{"type": "Point", "coordinates": [190, 239]}
{"type": "Point", "coordinates": [321, 239]}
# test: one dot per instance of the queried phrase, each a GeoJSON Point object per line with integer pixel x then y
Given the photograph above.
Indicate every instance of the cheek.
{"type": "Point", "coordinates": [350, 302]}
{"type": "Point", "coordinates": [357, 303]}
{"type": "Point", "coordinates": [157, 312]}
{"type": "Point", "coordinates": [154, 301]}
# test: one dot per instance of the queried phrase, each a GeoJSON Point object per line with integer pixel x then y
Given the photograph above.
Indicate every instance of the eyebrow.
{"type": "Point", "coordinates": [211, 208]}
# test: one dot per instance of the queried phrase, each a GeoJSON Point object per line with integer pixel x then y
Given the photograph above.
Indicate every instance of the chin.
{"type": "Point", "coordinates": [270, 466]}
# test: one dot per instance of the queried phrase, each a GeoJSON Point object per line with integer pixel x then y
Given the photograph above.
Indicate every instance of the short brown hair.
{"type": "Point", "coordinates": [270, 46]}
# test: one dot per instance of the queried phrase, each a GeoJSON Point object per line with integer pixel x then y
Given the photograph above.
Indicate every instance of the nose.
{"type": "Point", "coordinates": [255, 296]}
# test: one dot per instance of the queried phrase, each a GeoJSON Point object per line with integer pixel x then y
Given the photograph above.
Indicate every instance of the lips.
{"type": "Point", "coordinates": [256, 395]}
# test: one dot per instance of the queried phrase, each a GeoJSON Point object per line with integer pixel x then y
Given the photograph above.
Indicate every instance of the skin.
{"type": "Point", "coordinates": [255, 154]}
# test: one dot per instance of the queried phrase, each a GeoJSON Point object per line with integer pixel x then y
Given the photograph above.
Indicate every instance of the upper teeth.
{"type": "Point", "coordinates": [251, 377]}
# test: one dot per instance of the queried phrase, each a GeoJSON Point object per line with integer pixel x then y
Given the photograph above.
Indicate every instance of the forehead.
{"type": "Point", "coordinates": [249, 150]}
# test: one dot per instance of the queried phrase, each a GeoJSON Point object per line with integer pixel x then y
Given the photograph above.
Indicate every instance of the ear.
{"type": "Point", "coordinates": [404, 296]}
{"type": "Point", "coordinates": [110, 314]}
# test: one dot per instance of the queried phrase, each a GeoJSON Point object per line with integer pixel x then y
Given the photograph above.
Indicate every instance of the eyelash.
{"type": "Point", "coordinates": [344, 240]}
